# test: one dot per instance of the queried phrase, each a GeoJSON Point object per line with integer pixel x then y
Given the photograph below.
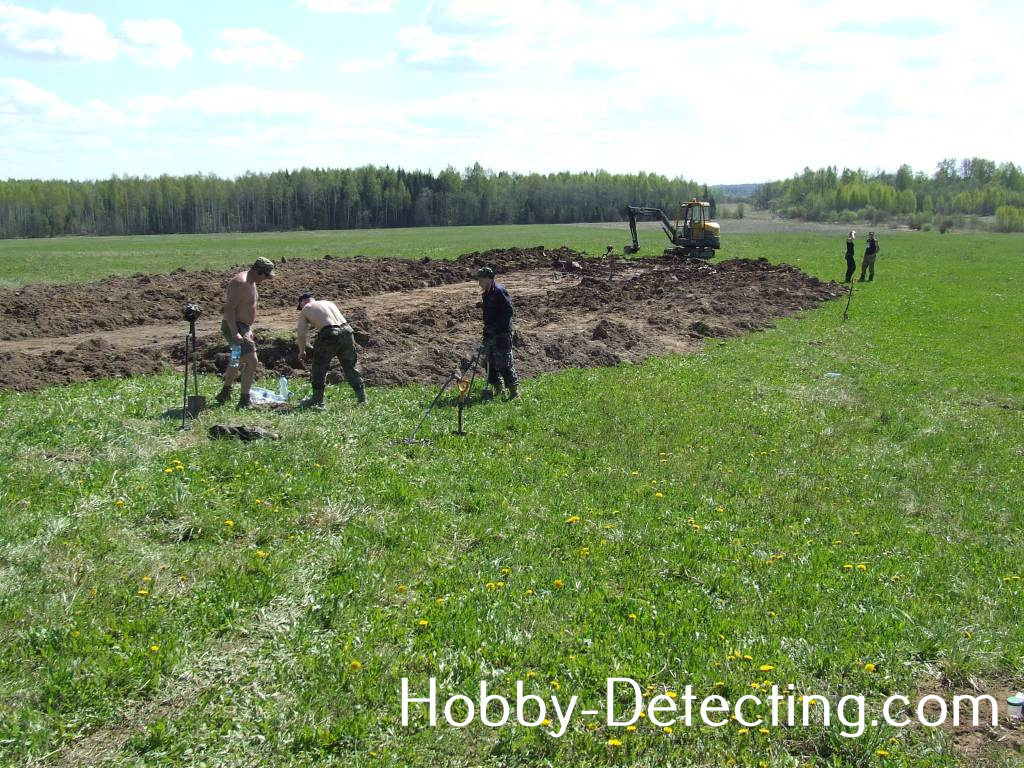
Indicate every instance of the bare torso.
{"type": "Point", "coordinates": [319, 314]}
{"type": "Point", "coordinates": [241, 299]}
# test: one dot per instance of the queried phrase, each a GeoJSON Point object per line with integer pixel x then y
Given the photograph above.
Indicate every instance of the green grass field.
{"type": "Point", "coordinates": [167, 600]}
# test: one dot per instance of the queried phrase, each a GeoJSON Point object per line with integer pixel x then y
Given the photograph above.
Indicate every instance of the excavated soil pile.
{"type": "Point", "coordinates": [413, 319]}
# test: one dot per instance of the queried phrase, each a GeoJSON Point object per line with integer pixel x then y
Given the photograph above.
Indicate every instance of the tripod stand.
{"type": "Point", "coordinates": [191, 405]}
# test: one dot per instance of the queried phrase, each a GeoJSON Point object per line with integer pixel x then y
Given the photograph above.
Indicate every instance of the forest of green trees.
{"type": "Point", "coordinates": [973, 187]}
{"type": "Point", "coordinates": [385, 197]}
{"type": "Point", "coordinates": [325, 199]}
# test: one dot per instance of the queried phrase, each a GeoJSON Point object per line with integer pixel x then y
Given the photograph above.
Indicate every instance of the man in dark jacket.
{"type": "Point", "coordinates": [498, 328]}
{"type": "Point", "coordinates": [870, 253]}
{"type": "Point", "coordinates": [851, 265]}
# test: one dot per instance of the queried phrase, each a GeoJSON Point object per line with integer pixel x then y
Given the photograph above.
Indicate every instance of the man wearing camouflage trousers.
{"type": "Point", "coordinates": [333, 338]}
{"type": "Point", "coordinates": [498, 329]}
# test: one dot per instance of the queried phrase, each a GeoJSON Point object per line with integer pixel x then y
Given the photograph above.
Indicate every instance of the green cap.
{"type": "Point", "coordinates": [263, 266]}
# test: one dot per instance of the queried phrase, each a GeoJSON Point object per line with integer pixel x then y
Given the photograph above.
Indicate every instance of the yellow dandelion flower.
{"type": "Point", "coordinates": [260, 553]}
{"type": "Point", "coordinates": [506, 571]}
{"type": "Point", "coordinates": [154, 648]}
{"type": "Point", "coordinates": [439, 600]}
{"type": "Point", "coordinates": [167, 470]}
{"type": "Point", "coordinates": [659, 495]}
{"type": "Point", "coordinates": [848, 567]}
{"type": "Point", "coordinates": [766, 667]}
{"type": "Point", "coordinates": [531, 673]}
{"type": "Point", "coordinates": [573, 519]}
{"type": "Point", "coordinates": [748, 657]}
{"type": "Point", "coordinates": [862, 566]}
{"type": "Point", "coordinates": [147, 578]}
{"type": "Point", "coordinates": [558, 583]}
{"type": "Point", "coordinates": [545, 722]}
{"type": "Point", "coordinates": [642, 714]}
{"type": "Point", "coordinates": [229, 522]}
{"type": "Point", "coordinates": [490, 586]}
{"type": "Point", "coordinates": [630, 728]}
{"type": "Point", "coordinates": [634, 473]}
{"type": "Point", "coordinates": [632, 617]}
{"type": "Point", "coordinates": [423, 623]}
{"type": "Point", "coordinates": [528, 592]}
{"type": "Point", "coordinates": [667, 729]}
{"type": "Point", "coordinates": [402, 589]}
{"type": "Point", "coordinates": [119, 503]}
{"type": "Point", "coordinates": [742, 731]}
{"type": "Point", "coordinates": [355, 665]}
{"type": "Point", "coordinates": [763, 730]}
{"type": "Point", "coordinates": [882, 752]}
{"type": "Point", "coordinates": [555, 684]}
{"type": "Point", "coordinates": [143, 592]}
{"type": "Point", "coordinates": [719, 684]}
{"type": "Point", "coordinates": [869, 667]}
{"type": "Point", "coordinates": [584, 551]}
{"type": "Point", "coordinates": [719, 509]}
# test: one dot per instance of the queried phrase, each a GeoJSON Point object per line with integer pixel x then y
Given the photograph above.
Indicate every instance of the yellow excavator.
{"type": "Point", "coordinates": [693, 234]}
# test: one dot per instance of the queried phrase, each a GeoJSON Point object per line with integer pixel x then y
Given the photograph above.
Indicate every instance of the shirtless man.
{"type": "Point", "coordinates": [333, 337]}
{"type": "Point", "coordinates": [239, 315]}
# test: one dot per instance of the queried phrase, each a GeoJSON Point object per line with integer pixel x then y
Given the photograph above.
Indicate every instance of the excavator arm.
{"type": "Point", "coordinates": [647, 214]}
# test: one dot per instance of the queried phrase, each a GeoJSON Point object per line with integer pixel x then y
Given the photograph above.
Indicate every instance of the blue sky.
{"type": "Point", "coordinates": [720, 92]}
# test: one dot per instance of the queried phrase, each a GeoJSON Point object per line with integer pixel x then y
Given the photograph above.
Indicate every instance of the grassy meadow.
{"type": "Point", "coordinates": [726, 519]}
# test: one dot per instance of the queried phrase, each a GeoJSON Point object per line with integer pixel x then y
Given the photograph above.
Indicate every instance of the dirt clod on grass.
{"type": "Point", "coordinates": [413, 320]}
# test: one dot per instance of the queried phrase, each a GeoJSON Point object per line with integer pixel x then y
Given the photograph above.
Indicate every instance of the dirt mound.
{"type": "Point", "coordinates": [124, 302]}
{"type": "Point", "coordinates": [413, 320]}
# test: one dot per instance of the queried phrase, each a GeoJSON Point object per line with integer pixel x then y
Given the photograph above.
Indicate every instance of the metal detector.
{"type": "Point", "coordinates": [464, 386]}
{"type": "Point", "coordinates": [849, 298]}
{"type": "Point", "coordinates": [192, 404]}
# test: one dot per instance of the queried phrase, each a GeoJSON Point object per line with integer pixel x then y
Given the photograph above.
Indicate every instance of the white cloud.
{"type": "Point", "coordinates": [55, 34]}
{"type": "Point", "coordinates": [68, 36]}
{"type": "Point", "coordinates": [348, 6]}
{"type": "Point", "coordinates": [27, 107]}
{"type": "Point", "coordinates": [254, 48]}
{"type": "Point", "coordinates": [155, 42]}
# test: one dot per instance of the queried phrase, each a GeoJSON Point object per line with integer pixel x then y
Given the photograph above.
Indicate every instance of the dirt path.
{"type": "Point", "coordinates": [413, 320]}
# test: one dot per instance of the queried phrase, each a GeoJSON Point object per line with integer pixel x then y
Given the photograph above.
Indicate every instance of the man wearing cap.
{"type": "Point", "coordinates": [870, 252]}
{"type": "Point", "coordinates": [239, 315]}
{"type": "Point", "coordinates": [333, 338]}
{"type": "Point", "coordinates": [498, 316]}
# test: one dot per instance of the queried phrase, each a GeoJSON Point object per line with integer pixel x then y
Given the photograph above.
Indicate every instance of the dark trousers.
{"type": "Point", "coordinates": [851, 267]}
{"type": "Point", "coordinates": [868, 266]}
{"type": "Point", "coordinates": [330, 342]}
{"type": "Point", "coordinates": [500, 360]}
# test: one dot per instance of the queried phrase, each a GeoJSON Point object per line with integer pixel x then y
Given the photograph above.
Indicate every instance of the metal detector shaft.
{"type": "Point", "coordinates": [849, 298]}
{"type": "Point", "coordinates": [426, 413]}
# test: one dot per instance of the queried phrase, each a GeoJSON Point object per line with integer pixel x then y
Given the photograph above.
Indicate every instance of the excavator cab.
{"type": "Point", "coordinates": [693, 234]}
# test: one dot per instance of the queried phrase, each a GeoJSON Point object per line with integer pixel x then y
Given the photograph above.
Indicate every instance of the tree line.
{"type": "Point", "coordinates": [972, 186]}
{"type": "Point", "coordinates": [315, 198]}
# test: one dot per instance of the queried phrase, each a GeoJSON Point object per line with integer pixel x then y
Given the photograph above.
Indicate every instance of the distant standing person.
{"type": "Point", "coordinates": [870, 252]}
{"type": "Point", "coordinates": [239, 315]}
{"type": "Point", "coordinates": [333, 338]}
{"type": "Point", "coordinates": [498, 329]}
{"type": "Point", "coordinates": [851, 265]}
